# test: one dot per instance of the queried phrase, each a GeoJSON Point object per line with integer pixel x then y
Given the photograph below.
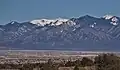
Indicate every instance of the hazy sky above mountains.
{"type": "Point", "coordinates": [24, 10]}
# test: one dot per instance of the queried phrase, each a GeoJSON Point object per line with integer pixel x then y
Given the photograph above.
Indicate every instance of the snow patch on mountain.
{"type": "Point", "coordinates": [114, 21]}
{"type": "Point", "coordinates": [107, 17]}
{"type": "Point", "coordinates": [12, 22]}
{"type": "Point", "coordinates": [93, 25]}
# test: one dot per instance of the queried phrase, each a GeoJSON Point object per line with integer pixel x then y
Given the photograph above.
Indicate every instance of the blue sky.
{"type": "Point", "coordinates": [25, 10]}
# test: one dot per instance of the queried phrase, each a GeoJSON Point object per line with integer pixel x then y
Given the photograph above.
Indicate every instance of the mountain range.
{"type": "Point", "coordinates": [82, 33]}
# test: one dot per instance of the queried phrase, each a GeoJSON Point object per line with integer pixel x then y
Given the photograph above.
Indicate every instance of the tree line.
{"type": "Point", "coordinates": [101, 62]}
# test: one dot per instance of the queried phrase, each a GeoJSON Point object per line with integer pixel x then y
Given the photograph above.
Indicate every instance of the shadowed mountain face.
{"type": "Point", "coordinates": [83, 33]}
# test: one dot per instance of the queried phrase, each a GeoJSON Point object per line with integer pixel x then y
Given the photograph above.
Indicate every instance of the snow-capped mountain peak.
{"type": "Point", "coordinates": [52, 22]}
{"type": "Point", "coordinates": [113, 19]}
{"type": "Point", "coordinates": [41, 22]}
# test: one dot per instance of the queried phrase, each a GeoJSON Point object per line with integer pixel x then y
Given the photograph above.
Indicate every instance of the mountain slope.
{"type": "Point", "coordinates": [83, 33]}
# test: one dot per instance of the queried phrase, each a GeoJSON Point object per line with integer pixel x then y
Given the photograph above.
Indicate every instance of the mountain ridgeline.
{"type": "Point", "coordinates": [83, 33]}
